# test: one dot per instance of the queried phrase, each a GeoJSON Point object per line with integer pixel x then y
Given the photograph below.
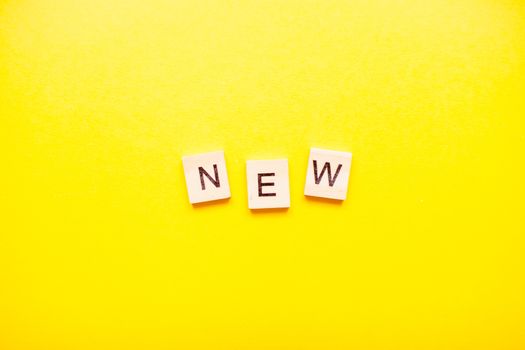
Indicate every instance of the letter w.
{"type": "Point", "coordinates": [326, 168]}
{"type": "Point", "coordinates": [215, 181]}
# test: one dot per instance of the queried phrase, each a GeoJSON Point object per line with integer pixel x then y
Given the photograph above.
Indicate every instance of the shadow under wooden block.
{"type": "Point", "coordinates": [269, 211]}
{"type": "Point", "coordinates": [210, 203]}
{"type": "Point", "coordinates": [329, 201]}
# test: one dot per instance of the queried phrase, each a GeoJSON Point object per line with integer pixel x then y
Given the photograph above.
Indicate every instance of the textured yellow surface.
{"type": "Point", "coordinates": [99, 248]}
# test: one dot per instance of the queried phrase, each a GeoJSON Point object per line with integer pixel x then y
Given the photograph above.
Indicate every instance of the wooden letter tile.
{"type": "Point", "coordinates": [268, 184]}
{"type": "Point", "coordinates": [328, 174]}
{"type": "Point", "coordinates": [206, 177]}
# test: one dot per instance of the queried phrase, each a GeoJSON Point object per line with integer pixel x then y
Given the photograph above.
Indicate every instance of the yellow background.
{"type": "Point", "coordinates": [100, 249]}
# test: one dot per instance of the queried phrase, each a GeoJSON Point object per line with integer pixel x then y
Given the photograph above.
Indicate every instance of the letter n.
{"type": "Point", "coordinates": [215, 181]}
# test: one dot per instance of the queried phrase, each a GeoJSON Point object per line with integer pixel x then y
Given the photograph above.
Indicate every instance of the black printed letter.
{"type": "Point", "coordinates": [329, 171]}
{"type": "Point", "coordinates": [214, 181]}
{"type": "Point", "coordinates": [261, 184]}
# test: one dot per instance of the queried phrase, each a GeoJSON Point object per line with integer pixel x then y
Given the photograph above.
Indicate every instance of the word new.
{"type": "Point", "coordinates": [268, 185]}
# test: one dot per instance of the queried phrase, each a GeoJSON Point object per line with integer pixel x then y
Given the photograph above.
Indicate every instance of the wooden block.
{"type": "Point", "coordinates": [328, 174]}
{"type": "Point", "coordinates": [268, 184]}
{"type": "Point", "coordinates": [206, 177]}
